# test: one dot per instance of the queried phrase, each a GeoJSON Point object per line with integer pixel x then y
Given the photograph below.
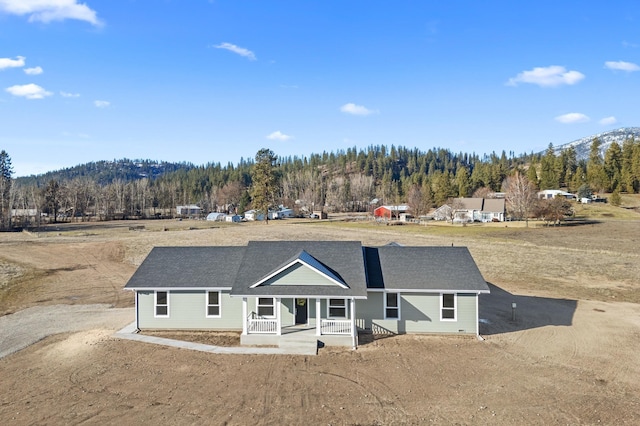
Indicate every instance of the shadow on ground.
{"type": "Point", "coordinates": [497, 316]}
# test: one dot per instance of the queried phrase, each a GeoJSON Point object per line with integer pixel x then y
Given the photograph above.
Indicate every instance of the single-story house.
{"type": "Point", "coordinates": [390, 212]}
{"type": "Point", "coordinates": [281, 213]}
{"type": "Point", "coordinates": [467, 210]}
{"type": "Point", "coordinates": [254, 215]}
{"type": "Point", "coordinates": [549, 194]}
{"type": "Point", "coordinates": [190, 210]}
{"type": "Point", "coordinates": [332, 288]}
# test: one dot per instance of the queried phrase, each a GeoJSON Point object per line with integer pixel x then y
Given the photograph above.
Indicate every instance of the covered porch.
{"type": "Point", "coordinates": [305, 321]}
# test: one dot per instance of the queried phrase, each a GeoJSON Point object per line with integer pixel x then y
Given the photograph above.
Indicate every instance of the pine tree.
{"type": "Point", "coordinates": [549, 176]}
{"type": "Point", "coordinates": [596, 176]}
{"type": "Point", "coordinates": [264, 181]}
{"type": "Point", "coordinates": [613, 164]}
{"type": "Point", "coordinates": [6, 171]}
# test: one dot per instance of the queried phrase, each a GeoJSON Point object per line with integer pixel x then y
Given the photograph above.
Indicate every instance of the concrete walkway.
{"type": "Point", "coordinates": [129, 333]}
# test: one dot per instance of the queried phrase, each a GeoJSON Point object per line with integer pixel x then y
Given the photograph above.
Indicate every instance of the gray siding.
{"type": "Point", "coordinates": [187, 311]}
{"type": "Point", "coordinates": [300, 275]}
{"type": "Point", "coordinates": [288, 312]}
{"type": "Point", "coordinates": [419, 313]}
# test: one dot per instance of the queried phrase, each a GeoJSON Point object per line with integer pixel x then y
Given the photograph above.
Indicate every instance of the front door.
{"type": "Point", "coordinates": [302, 314]}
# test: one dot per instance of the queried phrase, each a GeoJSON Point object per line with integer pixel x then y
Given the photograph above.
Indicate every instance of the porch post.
{"type": "Point", "coordinates": [318, 328]}
{"type": "Point", "coordinates": [244, 316]}
{"type": "Point", "coordinates": [354, 333]}
{"type": "Point", "coordinates": [278, 316]}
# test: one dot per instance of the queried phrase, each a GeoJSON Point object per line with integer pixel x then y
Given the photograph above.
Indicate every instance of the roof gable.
{"type": "Point", "coordinates": [329, 263]}
{"type": "Point", "coordinates": [302, 269]}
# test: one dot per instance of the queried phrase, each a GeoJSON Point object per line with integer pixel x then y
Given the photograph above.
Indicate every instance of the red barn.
{"type": "Point", "coordinates": [390, 212]}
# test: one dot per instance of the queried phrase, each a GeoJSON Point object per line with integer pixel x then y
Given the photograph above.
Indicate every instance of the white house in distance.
{"type": "Point", "coordinates": [467, 210]}
{"type": "Point", "coordinates": [190, 210]}
{"type": "Point", "coordinates": [281, 213]}
{"type": "Point", "coordinates": [253, 215]}
{"type": "Point", "coordinates": [549, 194]}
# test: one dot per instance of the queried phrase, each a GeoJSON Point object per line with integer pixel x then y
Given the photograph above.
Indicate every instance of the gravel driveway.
{"type": "Point", "coordinates": [26, 327]}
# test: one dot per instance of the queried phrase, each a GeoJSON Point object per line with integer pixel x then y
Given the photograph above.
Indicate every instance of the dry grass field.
{"type": "Point", "coordinates": [572, 356]}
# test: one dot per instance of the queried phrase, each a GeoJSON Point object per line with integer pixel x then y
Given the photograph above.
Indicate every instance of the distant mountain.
{"type": "Point", "coordinates": [583, 146]}
{"type": "Point", "coordinates": [105, 172]}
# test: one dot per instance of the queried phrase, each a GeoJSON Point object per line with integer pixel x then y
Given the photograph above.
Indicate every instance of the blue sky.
{"type": "Point", "coordinates": [213, 81]}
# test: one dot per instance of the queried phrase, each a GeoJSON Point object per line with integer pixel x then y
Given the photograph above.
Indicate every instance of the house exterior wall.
{"type": "Point", "coordinates": [187, 311]}
{"type": "Point", "coordinates": [419, 313]}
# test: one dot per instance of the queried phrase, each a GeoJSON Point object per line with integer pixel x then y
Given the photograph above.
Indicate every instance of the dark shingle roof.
{"type": "Point", "coordinates": [343, 259]}
{"type": "Point", "coordinates": [188, 267]}
{"type": "Point", "coordinates": [423, 268]}
{"type": "Point", "coordinates": [389, 267]}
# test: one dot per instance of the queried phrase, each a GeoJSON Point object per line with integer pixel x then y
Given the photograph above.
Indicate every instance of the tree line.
{"type": "Point", "coordinates": [342, 181]}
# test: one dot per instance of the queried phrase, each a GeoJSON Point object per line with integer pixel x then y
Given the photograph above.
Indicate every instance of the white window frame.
{"type": "Point", "coordinates": [272, 305]}
{"type": "Point", "coordinates": [454, 309]}
{"type": "Point", "coordinates": [386, 306]}
{"type": "Point", "coordinates": [207, 304]}
{"type": "Point", "coordinates": [343, 306]}
{"type": "Point", "coordinates": [156, 305]}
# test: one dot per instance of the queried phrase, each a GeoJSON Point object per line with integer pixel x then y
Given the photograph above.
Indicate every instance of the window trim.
{"type": "Point", "coordinates": [207, 304]}
{"type": "Point", "coordinates": [156, 305]}
{"type": "Point", "coordinates": [454, 309]}
{"type": "Point", "coordinates": [386, 305]}
{"type": "Point", "coordinates": [272, 305]}
{"type": "Point", "coordinates": [343, 306]}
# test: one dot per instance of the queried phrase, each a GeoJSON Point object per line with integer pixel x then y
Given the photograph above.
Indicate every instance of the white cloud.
{"type": "Point", "coordinates": [551, 76]}
{"type": "Point", "coordinates": [50, 10]}
{"type": "Point", "coordinates": [608, 121]}
{"type": "Point", "coordinates": [33, 71]}
{"type": "Point", "coordinates": [69, 95]}
{"type": "Point", "coordinates": [354, 109]}
{"type": "Point", "coordinates": [11, 63]}
{"type": "Point", "coordinates": [572, 117]}
{"type": "Point", "coordinates": [279, 136]}
{"type": "Point", "coordinates": [101, 104]}
{"type": "Point", "coordinates": [29, 91]}
{"type": "Point", "coordinates": [237, 49]}
{"type": "Point", "coordinates": [622, 66]}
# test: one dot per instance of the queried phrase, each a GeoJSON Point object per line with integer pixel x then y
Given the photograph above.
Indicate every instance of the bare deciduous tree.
{"type": "Point", "coordinates": [520, 196]}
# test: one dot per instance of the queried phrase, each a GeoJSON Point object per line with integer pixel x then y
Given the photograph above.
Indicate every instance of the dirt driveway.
{"type": "Point", "coordinates": [26, 327]}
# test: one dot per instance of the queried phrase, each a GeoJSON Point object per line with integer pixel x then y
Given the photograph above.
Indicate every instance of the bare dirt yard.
{"type": "Point", "coordinates": [571, 356]}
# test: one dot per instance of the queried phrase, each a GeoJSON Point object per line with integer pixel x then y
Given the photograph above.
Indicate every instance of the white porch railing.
{"type": "Point", "coordinates": [330, 326]}
{"type": "Point", "coordinates": [262, 325]}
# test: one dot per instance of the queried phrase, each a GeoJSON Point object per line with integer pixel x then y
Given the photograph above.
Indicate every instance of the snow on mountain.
{"type": "Point", "coordinates": [583, 146]}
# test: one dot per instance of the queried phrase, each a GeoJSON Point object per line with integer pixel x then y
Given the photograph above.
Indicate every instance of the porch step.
{"type": "Point", "coordinates": [299, 344]}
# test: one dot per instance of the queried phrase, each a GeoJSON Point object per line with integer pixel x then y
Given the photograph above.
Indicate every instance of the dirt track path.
{"type": "Point", "coordinates": [26, 327]}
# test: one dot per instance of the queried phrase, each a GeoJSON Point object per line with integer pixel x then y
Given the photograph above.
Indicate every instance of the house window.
{"type": "Point", "coordinates": [161, 304]}
{"type": "Point", "coordinates": [265, 307]}
{"type": "Point", "coordinates": [337, 308]}
{"type": "Point", "coordinates": [213, 304]}
{"type": "Point", "coordinates": [392, 305]}
{"type": "Point", "coordinates": [448, 307]}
